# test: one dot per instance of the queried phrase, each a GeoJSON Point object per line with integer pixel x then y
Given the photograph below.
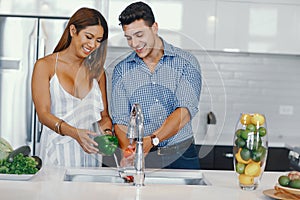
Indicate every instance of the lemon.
{"type": "Point", "coordinates": [246, 180]}
{"type": "Point", "coordinates": [257, 119]}
{"type": "Point", "coordinates": [245, 119]}
{"type": "Point", "coordinates": [253, 169]}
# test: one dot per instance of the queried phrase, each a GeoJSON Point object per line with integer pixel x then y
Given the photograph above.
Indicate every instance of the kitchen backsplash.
{"type": "Point", "coordinates": [242, 82]}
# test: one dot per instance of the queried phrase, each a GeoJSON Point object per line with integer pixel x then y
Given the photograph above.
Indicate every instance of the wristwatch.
{"type": "Point", "coordinates": [154, 140]}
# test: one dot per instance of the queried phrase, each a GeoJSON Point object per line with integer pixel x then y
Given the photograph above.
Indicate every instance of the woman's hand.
{"type": "Point", "coordinates": [87, 143]}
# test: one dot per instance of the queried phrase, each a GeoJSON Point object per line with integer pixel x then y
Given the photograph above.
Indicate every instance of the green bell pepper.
{"type": "Point", "coordinates": [107, 144]}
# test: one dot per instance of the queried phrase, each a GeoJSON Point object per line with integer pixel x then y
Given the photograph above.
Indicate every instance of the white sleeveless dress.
{"type": "Point", "coordinates": [56, 150]}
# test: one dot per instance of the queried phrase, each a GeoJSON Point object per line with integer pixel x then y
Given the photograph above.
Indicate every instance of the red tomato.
{"type": "Point", "coordinates": [128, 151]}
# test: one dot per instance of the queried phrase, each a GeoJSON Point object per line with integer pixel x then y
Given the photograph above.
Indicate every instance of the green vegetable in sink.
{"type": "Point", "coordinates": [107, 144]}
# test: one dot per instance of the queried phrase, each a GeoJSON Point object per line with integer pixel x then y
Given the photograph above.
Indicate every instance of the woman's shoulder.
{"type": "Point", "coordinates": [48, 59]}
{"type": "Point", "coordinates": [46, 64]}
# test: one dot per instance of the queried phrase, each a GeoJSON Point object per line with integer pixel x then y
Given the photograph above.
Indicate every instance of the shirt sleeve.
{"type": "Point", "coordinates": [189, 87]}
{"type": "Point", "coordinates": [119, 101]}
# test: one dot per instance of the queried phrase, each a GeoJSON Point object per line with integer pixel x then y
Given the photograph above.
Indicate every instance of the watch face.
{"type": "Point", "coordinates": [155, 141]}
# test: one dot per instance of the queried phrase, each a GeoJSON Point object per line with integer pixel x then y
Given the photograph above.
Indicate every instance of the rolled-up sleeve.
{"type": "Point", "coordinates": [189, 87]}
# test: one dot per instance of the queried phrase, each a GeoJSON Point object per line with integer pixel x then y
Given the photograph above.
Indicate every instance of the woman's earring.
{"type": "Point", "coordinates": [90, 57]}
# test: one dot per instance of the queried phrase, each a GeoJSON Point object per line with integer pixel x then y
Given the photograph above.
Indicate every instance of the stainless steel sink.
{"type": "Point", "coordinates": [157, 176]}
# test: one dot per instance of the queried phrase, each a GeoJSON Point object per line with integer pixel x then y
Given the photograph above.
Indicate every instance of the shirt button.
{"type": "Point", "coordinates": [153, 83]}
{"type": "Point", "coordinates": [156, 100]}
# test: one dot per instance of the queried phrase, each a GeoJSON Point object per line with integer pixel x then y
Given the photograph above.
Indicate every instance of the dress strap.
{"type": "Point", "coordinates": [56, 59]}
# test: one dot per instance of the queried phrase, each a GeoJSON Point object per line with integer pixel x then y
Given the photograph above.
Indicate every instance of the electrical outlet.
{"type": "Point", "coordinates": [286, 110]}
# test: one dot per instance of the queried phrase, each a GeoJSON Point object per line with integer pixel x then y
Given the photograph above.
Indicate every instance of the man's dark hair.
{"type": "Point", "coordinates": [136, 11]}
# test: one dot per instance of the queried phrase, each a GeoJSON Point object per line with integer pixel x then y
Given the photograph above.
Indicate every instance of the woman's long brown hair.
{"type": "Point", "coordinates": [81, 19]}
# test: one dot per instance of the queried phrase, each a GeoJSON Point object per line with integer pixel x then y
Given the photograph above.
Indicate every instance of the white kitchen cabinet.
{"type": "Point", "coordinates": [188, 24]}
{"type": "Point", "coordinates": [258, 26]}
{"type": "Point", "coordinates": [198, 24]}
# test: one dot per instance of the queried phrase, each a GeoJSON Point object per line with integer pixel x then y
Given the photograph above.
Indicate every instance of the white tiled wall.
{"type": "Point", "coordinates": [243, 82]}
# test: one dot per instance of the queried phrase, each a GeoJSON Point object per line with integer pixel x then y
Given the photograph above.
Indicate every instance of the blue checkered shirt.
{"type": "Point", "coordinates": [175, 83]}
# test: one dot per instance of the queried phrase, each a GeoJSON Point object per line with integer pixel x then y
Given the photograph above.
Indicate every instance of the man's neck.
{"type": "Point", "coordinates": [156, 54]}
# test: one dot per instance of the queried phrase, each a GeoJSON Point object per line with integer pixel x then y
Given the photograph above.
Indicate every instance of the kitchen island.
{"type": "Point", "coordinates": [49, 184]}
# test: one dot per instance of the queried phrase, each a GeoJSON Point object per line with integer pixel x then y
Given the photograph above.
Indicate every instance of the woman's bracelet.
{"type": "Point", "coordinates": [108, 130]}
{"type": "Point", "coordinates": [57, 127]}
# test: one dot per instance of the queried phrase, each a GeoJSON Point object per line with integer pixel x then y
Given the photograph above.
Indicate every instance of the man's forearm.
{"type": "Point", "coordinates": [173, 124]}
{"type": "Point", "coordinates": [121, 131]}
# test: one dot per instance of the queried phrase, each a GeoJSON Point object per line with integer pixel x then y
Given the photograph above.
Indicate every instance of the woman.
{"type": "Point", "coordinates": [69, 92]}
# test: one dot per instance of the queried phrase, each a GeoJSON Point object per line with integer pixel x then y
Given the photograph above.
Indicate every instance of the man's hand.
{"type": "Point", "coordinates": [128, 156]}
{"type": "Point", "coordinates": [147, 144]}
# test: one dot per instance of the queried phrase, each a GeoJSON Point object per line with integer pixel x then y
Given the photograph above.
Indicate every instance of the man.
{"type": "Point", "coordinates": [166, 82]}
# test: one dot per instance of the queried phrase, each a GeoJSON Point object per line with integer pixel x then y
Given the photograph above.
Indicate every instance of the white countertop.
{"type": "Point", "coordinates": [49, 184]}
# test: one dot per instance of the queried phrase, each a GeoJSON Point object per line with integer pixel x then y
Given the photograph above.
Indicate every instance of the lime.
{"type": "Point", "coordinates": [284, 180]}
{"type": "Point", "coordinates": [254, 141]}
{"type": "Point", "coordinates": [256, 155]}
{"type": "Point", "coordinates": [262, 131]}
{"type": "Point", "coordinates": [295, 183]}
{"type": "Point", "coordinates": [238, 132]}
{"type": "Point", "coordinates": [240, 168]}
{"type": "Point", "coordinates": [244, 134]}
{"type": "Point", "coordinates": [239, 158]}
{"type": "Point", "coordinates": [263, 151]}
{"type": "Point", "coordinates": [251, 128]}
{"type": "Point", "coordinates": [240, 142]}
{"type": "Point", "coordinates": [245, 154]}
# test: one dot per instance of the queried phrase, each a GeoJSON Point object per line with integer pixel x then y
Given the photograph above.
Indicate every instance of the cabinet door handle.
{"type": "Point", "coordinates": [228, 155]}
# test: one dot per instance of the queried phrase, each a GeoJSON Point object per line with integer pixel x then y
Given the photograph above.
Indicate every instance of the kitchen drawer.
{"type": "Point", "coordinates": [223, 158]}
{"type": "Point", "coordinates": [206, 156]}
{"type": "Point", "coordinates": [278, 159]}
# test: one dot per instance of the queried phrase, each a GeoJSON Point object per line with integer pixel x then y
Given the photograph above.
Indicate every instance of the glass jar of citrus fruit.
{"type": "Point", "coordinates": [250, 149]}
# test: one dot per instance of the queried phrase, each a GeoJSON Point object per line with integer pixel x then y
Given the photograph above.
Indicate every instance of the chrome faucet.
{"type": "Point", "coordinates": [136, 133]}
